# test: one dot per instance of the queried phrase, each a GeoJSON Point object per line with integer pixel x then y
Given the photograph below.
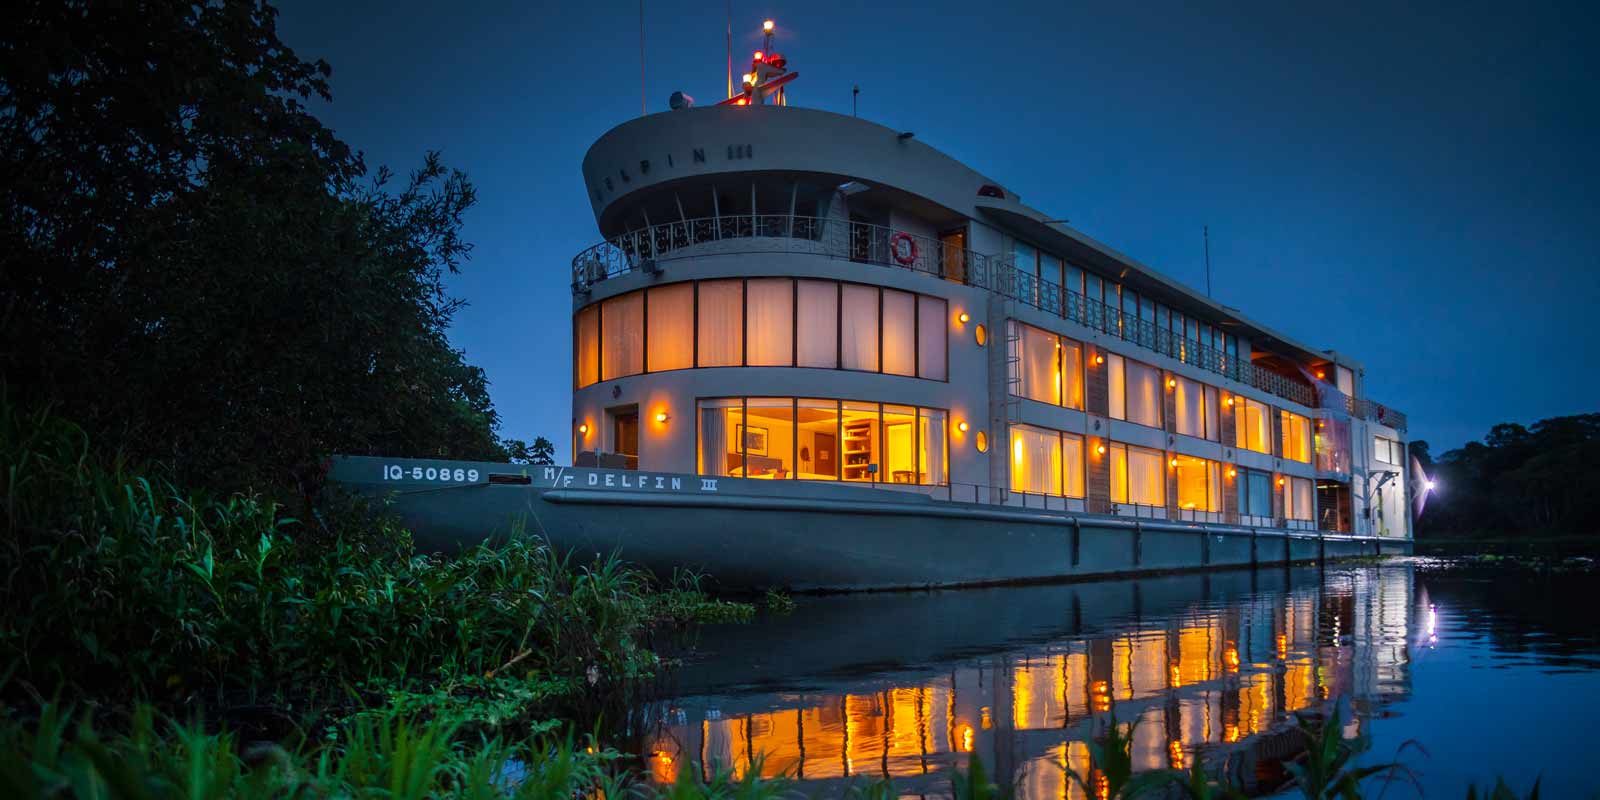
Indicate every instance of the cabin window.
{"type": "Point", "coordinates": [1296, 437]}
{"type": "Point", "coordinates": [863, 450]}
{"type": "Point", "coordinates": [1035, 460]}
{"type": "Point", "coordinates": [933, 447]}
{"type": "Point", "coordinates": [1346, 380]}
{"type": "Point", "coordinates": [586, 346]}
{"type": "Point", "coordinates": [721, 334]}
{"type": "Point", "coordinates": [622, 342]}
{"type": "Point", "coordinates": [858, 327]}
{"type": "Point", "coordinates": [1035, 363]}
{"type": "Point", "coordinates": [1135, 395]}
{"type": "Point", "coordinates": [768, 438]}
{"type": "Point", "coordinates": [899, 333]}
{"type": "Point", "coordinates": [818, 324]}
{"type": "Point", "coordinates": [1199, 484]}
{"type": "Point", "coordinates": [1255, 493]}
{"type": "Point", "coordinates": [1252, 425]}
{"type": "Point", "coordinates": [769, 305]}
{"type": "Point", "coordinates": [1297, 502]}
{"type": "Point", "coordinates": [1136, 476]}
{"type": "Point", "coordinates": [720, 452]}
{"type": "Point", "coordinates": [933, 332]}
{"type": "Point", "coordinates": [1195, 404]}
{"type": "Point", "coordinates": [1386, 451]}
{"type": "Point", "coordinates": [900, 446]}
{"type": "Point", "coordinates": [817, 435]}
{"type": "Point", "coordinates": [670, 333]}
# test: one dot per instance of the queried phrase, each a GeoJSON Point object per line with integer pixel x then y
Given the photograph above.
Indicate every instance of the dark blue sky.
{"type": "Point", "coordinates": [1412, 186]}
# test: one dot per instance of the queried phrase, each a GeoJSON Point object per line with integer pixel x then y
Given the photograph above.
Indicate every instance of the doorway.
{"type": "Point", "coordinates": [953, 255]}
{"type": "Point", "coordinates": [625, 435]}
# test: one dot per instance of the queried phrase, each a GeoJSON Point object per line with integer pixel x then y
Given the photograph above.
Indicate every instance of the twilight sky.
{"type": "Point", "coordinates": [1415, 187]}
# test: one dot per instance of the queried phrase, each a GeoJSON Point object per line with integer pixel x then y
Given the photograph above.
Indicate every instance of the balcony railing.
{"type": "Point", "coordinates": [875, 244]}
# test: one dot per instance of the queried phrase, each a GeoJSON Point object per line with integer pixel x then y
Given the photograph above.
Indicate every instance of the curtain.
{"type": "Point", "coordinates": [899, 332]}
{"type": "Point", "coordinates": [1190, 397]}
{"type": "Point", "coordinates": [932, 338]}
{"type": "Point", "coordinates": [818, 325]}
{"type": "Point", "coordinates": [1072, 374]}
{"type": "Point", "coordinates": [1213, 429]}
{"type": "Point", "coordinates": [721, 331]}
{"type": "Point", "coordinates": [1299, 499]}
{"type": "Point", "coordinates": [1119, 473]}
{"type": "Point", "coordinates": [1144, 394]}
{"type": "Point", "coordinates": [622, 336]}
{"type": "Point", "coordinates": [931, 446]}
{"type": "Point", "coordinates": [671, 337]}
{"type": "Point", "coordinates": [1072, 463]}
{"type": "Point", "coordinates": [1035, 357]}
{"type": "Point", "coordinates": [899, 445]}
{"type": "Point", "coordinates": [1116, 381]}
{"type": "Point", "coordinates": [770, 304]}
{"type": "Point", "coordinates": [586, 346]}
{"type": "Point", "coordinates": [1035, 460]}
{"type": "Point", "coordinates": [1146, 483]}
{"type": "Point", "coordinates": [717, 418]}
{"type": "Point", "coordinates": [859, 328]}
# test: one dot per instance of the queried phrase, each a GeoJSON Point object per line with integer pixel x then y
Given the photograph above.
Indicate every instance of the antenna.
{"type": "Point", "coordinates": [641, 58]}
{"type": "Point", "coordinates": [855, 92]}
{"type": "Point", "coordinates": [730, 49]}
{"type": "Point", "coordinates": [1205, 231]}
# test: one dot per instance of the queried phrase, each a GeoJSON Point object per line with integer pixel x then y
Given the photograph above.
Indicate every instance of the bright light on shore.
{"type": "Point", "coordinates": [1432, 485]}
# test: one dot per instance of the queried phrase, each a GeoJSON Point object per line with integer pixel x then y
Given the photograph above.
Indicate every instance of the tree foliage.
{"type": "Point", "coordinates": [199, 271]}
{"type": "Point", "coordinates": [1541, 479]}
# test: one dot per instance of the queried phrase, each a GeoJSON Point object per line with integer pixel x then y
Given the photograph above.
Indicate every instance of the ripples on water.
{"type": "Point", "coordinates": [1494, 672]}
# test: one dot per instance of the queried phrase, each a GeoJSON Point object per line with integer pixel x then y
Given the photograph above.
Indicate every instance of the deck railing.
{"type": "Point", "coordinates": [646, 248]}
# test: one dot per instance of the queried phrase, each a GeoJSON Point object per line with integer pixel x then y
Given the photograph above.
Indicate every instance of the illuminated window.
{"type": "Point", "coordinates": [586, 346]}
{"type": "Point", "coordinates": [769, 302]}
{"type": "Point", "coordinates": [1136, 476]}
{"type": "Point", "coordinates": [768, 438]}
{"type": "Point", "coordinates": [622, 336]}
{"type": "Point", "coordinates": [1035, 460]}
{"type": "Point", "coordinates": [1072, 465]}
{"type": "Point", "coordinates": [1135, 391]}
{"type": "Point", "coordinates": [858, 327]}
{"type": "Point", "coordinates": [1296, 436]}
{"type": "Point", "coordinates": [933, 448]}
{"type": "Point", "coordinates": [779, 438]}
{"type": "Point", "coordinates": [933, 336]}
{"type": "Point", "coordinates": [1195, 405]}
{"type": "Point", "coordinates": [900, 446]}
{"type": "Point", "coordinates": [817, 422]}
{"type": "Point", "coordinates": [818, 325]}
{"type": "Point", "coordinates": [671, 330]}
{"type": "Point", "coordinates": [1199, 484]}
{"type": "Point", "coordinates": [861, 447]}
{"type": "Point", "coordinates": [721, 312]}
{"type": "Point", "coordinates": [720, 452]}
{"type": "Point", "coordinates": [1252, 425]}
{"type": "Point", "coordinates": [899, 332]}
{"type": "Point", "coordinates": [1386, 451]}
{"type": "Point", "coordinates": [1034, 363]}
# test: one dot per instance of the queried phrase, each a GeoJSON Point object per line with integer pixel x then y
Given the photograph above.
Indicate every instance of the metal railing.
{"type": "Point", "coordinates": [875, 244]}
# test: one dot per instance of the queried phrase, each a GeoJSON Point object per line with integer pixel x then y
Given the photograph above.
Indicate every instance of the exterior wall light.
{"type": "Point", "coordinates": [1173, 463]}
{"type": "Point", "coordinates": [583, 429]}
{"type": "Point", "coordinates": [1232, 472]}
{"type": "Point", "coordinates": [1280, 481]}
{"type": "Point", "coordinates": [1172, 383]}
{"type": "Point", "coordinates": [963, 318]}
{"type": "Point", "coordinates": [1230, 401]}
{"type": "Point", "coordinates": [661, 416]}
{"type": "Point", "coordinates": [1100, 449]}
{"type": "Point", "coordinates": [1099, 359]}
{"type": "Point", "coordinates": [961, 426]}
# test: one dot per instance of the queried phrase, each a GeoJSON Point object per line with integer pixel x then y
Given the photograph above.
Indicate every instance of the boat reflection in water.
{"type": "Point", "coordinates": [861, 687]}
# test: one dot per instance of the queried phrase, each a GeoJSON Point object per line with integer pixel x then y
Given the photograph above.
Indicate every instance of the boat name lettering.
{"type": "Point", "coordinates": [607, 184]}
{"type": "Point", "coordinates": [559, 477]}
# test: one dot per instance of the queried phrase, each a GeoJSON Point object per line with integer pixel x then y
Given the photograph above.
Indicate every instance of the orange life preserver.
{"type": "Point", "coordinates": [903, 248]}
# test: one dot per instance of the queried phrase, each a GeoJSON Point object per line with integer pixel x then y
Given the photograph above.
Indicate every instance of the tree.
{"type": "Point", "coordinates": [200, 272]}
{"type": "Point", "coordinates": [1539, 479]}
{"type": "Point", "coordinates": [541, 453]}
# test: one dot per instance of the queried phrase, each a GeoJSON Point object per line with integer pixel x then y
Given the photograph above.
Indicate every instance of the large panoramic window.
{"type": "Point", "coordinates": [1252, 425]}
{"type": "Point", "coordinates": [781, 438]}
{"type": "Point", "coordinates": [586, 346]}
{"type": "Point", "coordinates": [1296, 436]}
{"type": "Point", "coordinates": [818, 324]}
{"type": "Point", "coordinates": [1046, 462]}
{"type": "Point", "coordinates": [1135, 391]}
{"type": "Point", "coordinates": [1045, 367]}
{"type": "Point", "coordinates": [760, 322]}
{"type": "Point", "coordinates": [1136, 476]}
{"type": "Point", "coordinates": [858, 328]}
{"type": "Point", "coordinates": [670, 334]}
{"type": "Point", "coordinates": [769, 330]}
{"type": "Point", "coordinates": [622, 336]}
{"type": "Point", "coordinates": [1199, 483]}
{"type": "Point", "coordinates": [721, 321]}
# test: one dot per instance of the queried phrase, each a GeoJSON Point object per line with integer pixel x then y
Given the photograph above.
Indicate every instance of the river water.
{"type": "Point", "coordinates": [1492, 672]}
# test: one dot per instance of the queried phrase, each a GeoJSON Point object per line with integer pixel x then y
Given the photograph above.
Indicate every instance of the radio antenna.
{"type": "Point", "coordinates": [641, 58]}
{"type": "Point", "coordinates": [1205, 232]}
{"type": "Point", "coordinates": [730, 49]}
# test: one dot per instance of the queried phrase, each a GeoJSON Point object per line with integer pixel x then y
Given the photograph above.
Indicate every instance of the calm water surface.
{"type": "Point", "coordinates": [1493, 672]}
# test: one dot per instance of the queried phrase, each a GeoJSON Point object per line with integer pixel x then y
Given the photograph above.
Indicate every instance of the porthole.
{"type": "Point", "coordinates": [981, 441]}
{"type": "Point", "coordinates": [982, 335]}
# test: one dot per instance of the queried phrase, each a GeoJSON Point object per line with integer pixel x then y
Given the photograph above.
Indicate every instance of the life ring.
{"type": "Point", "coordinates": [903, 248]}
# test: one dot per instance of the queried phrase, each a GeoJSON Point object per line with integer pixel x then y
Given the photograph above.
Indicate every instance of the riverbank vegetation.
{"type": "Point", "coordinates": [1537, 482]}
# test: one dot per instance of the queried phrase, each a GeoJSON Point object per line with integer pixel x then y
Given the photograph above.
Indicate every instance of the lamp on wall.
{"type": "Point", "coordinates": [963, 318]}
{"type": "Point", "coordinates": [1232, 472]}
{"type": "Point", "coordinates": [1100, 449]}
{"type": "Point", "coordinates": [583, 430]}
{"type": "Point", "coordinates": [1172, 383]}
{"type": "Point", "coordinates": [1173, 463]}
{"type": "Point", "coordinates": [662, 416]}
{"type": "Point", "coordinates": [1099, 359]}
{"type": "Point", "coordinates": [961, 426]}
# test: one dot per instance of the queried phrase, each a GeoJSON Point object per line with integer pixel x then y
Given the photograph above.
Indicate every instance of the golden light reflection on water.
{"type": "Point", "coordinates": [1194, 684]}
